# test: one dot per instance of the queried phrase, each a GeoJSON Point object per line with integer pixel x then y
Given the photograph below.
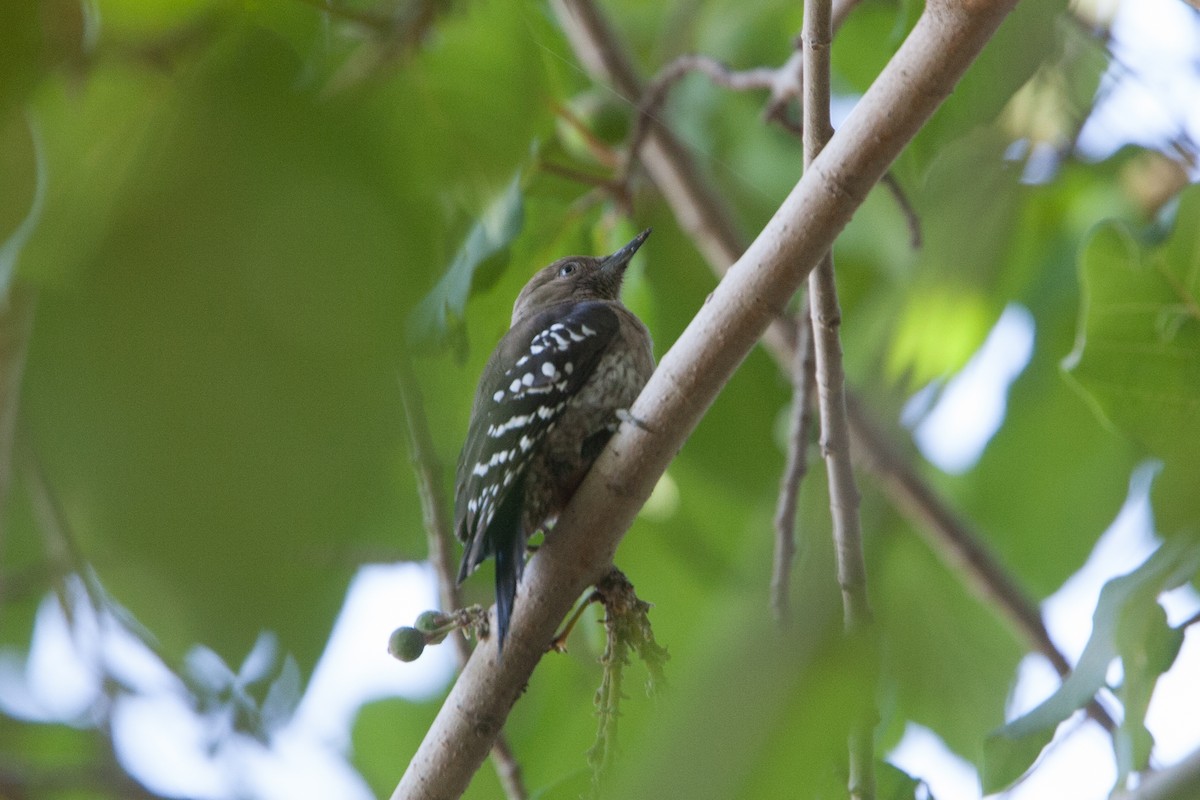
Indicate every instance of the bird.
{"type": "Point", "coordinates": [551, 395]}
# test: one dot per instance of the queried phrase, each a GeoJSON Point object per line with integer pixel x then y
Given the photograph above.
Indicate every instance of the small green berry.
{"type": "Point", "coordinates": [406, 644]}
{"type": "Point", "coordinates": [430, 622]}
{"type": "Point", "coordinates": [435, 625]}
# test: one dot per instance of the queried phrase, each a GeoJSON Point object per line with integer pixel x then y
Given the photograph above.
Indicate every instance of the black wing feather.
{"type": "Point", "coordinates": [536, 369]}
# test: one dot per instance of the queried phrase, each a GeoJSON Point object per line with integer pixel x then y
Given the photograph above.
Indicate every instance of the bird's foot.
{"type": "Point", "coordinates": [624, 415]}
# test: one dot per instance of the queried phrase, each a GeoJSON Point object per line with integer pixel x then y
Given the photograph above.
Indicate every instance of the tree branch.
{"type": "Point", "coordinates": [704, 216]}
{"type": "Point", "coordinates": [826, 315]}
{"type": "Point", "coordinates": [946, 39]}
{"type": "Point", "coordinates": [800, 426]}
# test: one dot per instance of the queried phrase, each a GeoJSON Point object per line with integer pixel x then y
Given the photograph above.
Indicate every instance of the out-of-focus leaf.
{"type": "Point", "coordinates": [1006, 758]}
{"type": "Point", "coordinates": [951, 303]}
{"type": "Point", "coordinates": [1041, 528]}
{"type": "Point", "coordinates": [1137, 354]}
{"type": "Point", "coordinates": [1126, 614]}
{"type": "Point", "coordinates": [924, 609]}
{"type": "Point", "coordinates": [282, 696]}
{"type": "Point", "coordinates": [893, 783]}
{"type": "Point", "coordinates": [1027, 38]}
{"type": "Point", "coordinates": [1148, 647]}
{"type": "Point", "coordinates": [211, 381]}
{"type": "Point", "coordinates": [21, 50]}
{"type": "Point", "coordinates": [436, 321]}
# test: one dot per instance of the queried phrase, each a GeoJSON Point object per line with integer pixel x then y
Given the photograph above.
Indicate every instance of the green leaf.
{"type": "Point", "coordinates": [436, 321]}
{"type": "Point", "coordinates": [893, 783]}
{"type": "Point", "coordinates": [1148, 647]}
{"type": "Point", "coordinates": [1122, 625]}
{"type": "Point", "coordinates": [1007, 757]}
{"type": "Point", "coordinates": [1137, 352]}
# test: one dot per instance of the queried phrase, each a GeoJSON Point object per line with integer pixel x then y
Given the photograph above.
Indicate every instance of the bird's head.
{"type": "Point", "coordinates": [576, 279]}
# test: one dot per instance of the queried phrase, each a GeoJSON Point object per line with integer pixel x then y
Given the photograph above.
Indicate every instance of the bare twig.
{"type": "Point", "coordinates": [703, 214]}
{"type": "Point", "coordinates": [826, 316]}
{"type": "Point", "coordinates": [785, 84]}
{"type": "Point", "coordinates": [911, 217]}
{"type": "Point", "coordinates": [946, 38]}
{"type": "Point", "coordinates": [800, 427]}
{"type": "Point", "coordinates": [1189, 622]}
{"type": "Point", "coordinates": [438, 533]}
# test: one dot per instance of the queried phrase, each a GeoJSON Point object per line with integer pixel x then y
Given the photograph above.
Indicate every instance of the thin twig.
{"type": "Point", "coordinates": [911, 217]}
{"type": "Point", "coordinates": [785, 84]}
{"type": "Point", "coordinates": [597, 148]}
{"type": "Point", "coordinates": [826, 316]}
{"type": "Point", "coordinates": [1189, 622]}
{"type": "Point", "coordinates": [800, 427]}
{"type": "Point", "coordinates": [428, 470]}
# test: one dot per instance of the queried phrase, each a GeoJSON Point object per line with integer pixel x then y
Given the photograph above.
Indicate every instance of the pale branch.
{"type": "Point", "coordinates": [796, 467]}
{"type": "Point", "coordinates": [703, 214]}
{"type": "Point", "coordinates": [826, 315]}
{"type": "Point", "coordinates": [946, 38]}
{"type": "Point", "coordinates": [439, 535]}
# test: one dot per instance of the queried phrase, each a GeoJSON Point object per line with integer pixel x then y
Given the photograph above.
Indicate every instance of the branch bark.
{"type": "Point", "coordinates": [946, 39]}
{"type": "Point", "coordinates": [796, 467]}
{"type": "Point", "coordinates": [826, 316]}
{"type": "Point", "coordinates": [703, 214]}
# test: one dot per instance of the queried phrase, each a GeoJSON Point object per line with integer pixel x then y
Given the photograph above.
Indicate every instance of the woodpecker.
{"type": "Point", "coordinates": [549, 399]}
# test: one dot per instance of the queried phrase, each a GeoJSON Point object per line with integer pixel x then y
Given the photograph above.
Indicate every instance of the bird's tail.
{"type": "Point", "coordinates": [508, 544]}
{"type": "Point", "coordinates": [510, 562]}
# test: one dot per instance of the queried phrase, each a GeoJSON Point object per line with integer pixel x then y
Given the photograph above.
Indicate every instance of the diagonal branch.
{"type": "Point", "coordinates": [703, 214]}
{"type": "Point", "coordinates": [946, 39]}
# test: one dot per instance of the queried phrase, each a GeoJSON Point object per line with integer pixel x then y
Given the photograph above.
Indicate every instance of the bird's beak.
{"type": "Point", "coordinates": [618, 260]}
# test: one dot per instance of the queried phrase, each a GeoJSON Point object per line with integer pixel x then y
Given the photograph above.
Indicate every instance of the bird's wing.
{"type": "Point", "coordinates": [551, 357]}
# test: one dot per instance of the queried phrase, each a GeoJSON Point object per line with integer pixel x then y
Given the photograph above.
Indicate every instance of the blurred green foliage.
{"type": "Point", "coordinates": [245, 201]}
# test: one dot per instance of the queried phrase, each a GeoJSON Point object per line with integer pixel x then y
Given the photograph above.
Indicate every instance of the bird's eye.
{"type": "Point", "coordinates": [566, 269]}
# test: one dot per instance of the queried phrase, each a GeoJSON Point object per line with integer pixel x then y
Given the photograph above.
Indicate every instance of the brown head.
{"type": "Point", "coordinates": [576, 279]}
